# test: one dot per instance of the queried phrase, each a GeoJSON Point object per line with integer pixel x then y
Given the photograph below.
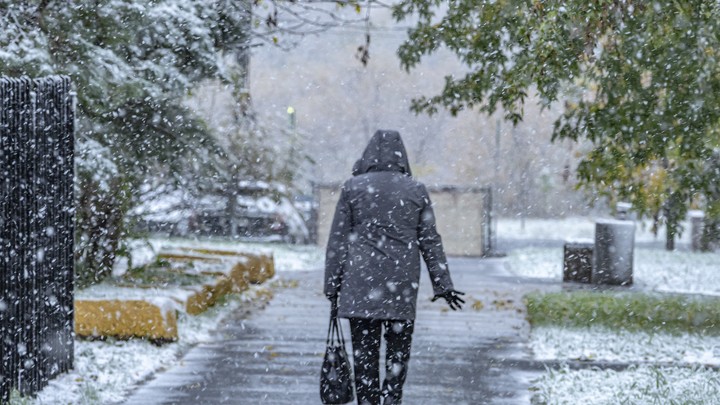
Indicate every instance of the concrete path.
{"type": "Point", "coordinates": [272, 355]}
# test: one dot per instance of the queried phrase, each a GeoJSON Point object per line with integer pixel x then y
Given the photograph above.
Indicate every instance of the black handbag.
{"type": "Point", "coordinates": [336, 379]}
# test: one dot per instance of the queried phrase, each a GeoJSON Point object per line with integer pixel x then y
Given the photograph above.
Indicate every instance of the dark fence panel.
{"type": "Point", "coordinates": [36, 232]}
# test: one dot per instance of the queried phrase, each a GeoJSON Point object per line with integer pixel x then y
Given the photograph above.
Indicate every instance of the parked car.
{"type": "Point", "coordinates": [258, 213]}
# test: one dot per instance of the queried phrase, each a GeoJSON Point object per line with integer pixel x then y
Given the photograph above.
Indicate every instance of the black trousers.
{"type": "Point", "coordinates": [366, 335]}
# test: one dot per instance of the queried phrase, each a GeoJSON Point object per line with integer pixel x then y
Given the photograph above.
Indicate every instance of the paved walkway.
{"type": "Point", "coordinates": [273, 355]}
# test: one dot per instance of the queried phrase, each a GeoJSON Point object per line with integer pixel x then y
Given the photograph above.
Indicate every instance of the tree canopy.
{"type": "Point", "coordinates": [133, 65]}
{"type": "Point", "coordinates": [639, 80]}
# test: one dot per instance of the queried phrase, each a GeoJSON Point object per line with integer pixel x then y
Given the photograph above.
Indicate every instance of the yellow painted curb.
{"type": "Point", "coordinates": [125, 319]}
{"type": "Point", "coordinates": [208, 295]}
{"type": "Point", "coordinates": [259, 267]}
{"type": "Point", "coordinates": [188, 257]}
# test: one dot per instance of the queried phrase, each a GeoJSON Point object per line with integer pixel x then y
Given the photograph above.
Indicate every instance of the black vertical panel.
{"type": "Point", "coordinates": [43, 131]}
{"type": "Point", "coordinates": [16, 229]}
{"type": "Point", "coordinates": [15, 233]}
{"type": "Point", "coordinates": [27, 295]}
{"type": "Point", "coordinates": [63, 231]}
{"type": "Point", "coordinates": [50, 289]}
{"type": "Point", "coordinates": [36, 232]}
{"type": "Point", "coordinates": [43, 123]}
{"type": "Point", "coordinates": [67, 175]}
{"type": "Point", "coordinates": [10, 231]}
{"type": "Point", "coordinates": [4, 237]}
{"type": "Point", "coordinates": [59, 299]}
{"type": "Point", "coordinates": [37, 202]}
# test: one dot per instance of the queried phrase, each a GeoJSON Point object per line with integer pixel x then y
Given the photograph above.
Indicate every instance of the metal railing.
{"type": "Point", "coordinates": [36, 232]}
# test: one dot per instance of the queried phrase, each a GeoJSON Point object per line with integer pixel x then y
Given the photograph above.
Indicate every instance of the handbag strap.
{"type": "Point", "coordinates": [335, 333]}
{"type": "Point", "coordinates": [333, 320]}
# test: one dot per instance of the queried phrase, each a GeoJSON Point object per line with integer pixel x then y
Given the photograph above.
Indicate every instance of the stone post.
{"type": "Point", "coordinates": [613, 254]}
{"type": "Point", "coordinates": [697, 223]}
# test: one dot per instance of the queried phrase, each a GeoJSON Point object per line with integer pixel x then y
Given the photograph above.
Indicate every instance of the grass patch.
{"type": "Point", "coordinates": [161, 273]}
{"type": "Point", "coordinates": [159, 277]}
{"type": "Point", "coordinates": [621, 310]}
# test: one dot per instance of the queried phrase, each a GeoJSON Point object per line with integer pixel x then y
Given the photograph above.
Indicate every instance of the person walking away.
{"type": "Point", "coordinates": [383, 222]}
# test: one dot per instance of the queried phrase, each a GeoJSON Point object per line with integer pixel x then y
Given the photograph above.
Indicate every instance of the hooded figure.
{"type": "Point", "coordinates": [383, 222]}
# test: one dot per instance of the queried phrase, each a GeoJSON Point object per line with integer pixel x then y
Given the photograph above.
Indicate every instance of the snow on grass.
{"type": "Point", "coordinates": [105, 371]}
{"type": "Point", "coordinates": [553, 229]}
{"type": "Point", "coordinates": [622, 346]}
{"type": "Point", "coordinates": [536, 262]}
{"type": "Point", "coordinates": [574, 228]}
{"type": "Point", "coordinates": [689, 272]}
{"type": "Point", "coordinates": [299, 257]}
{"type": "Point", "coordinates": [645, 384]}
{"type": "Point", "coordinates": [637, 385]}
{"type": "Point", "coordinates": [653, 269]}
{"type": "Point", "coordinates": [288, 257]}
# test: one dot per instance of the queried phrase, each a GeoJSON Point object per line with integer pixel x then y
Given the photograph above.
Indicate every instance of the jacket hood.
{"type": "Point", "coordinates": [385, 153]}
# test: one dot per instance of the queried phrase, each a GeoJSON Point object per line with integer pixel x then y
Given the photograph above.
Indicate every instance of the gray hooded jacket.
{"type": "Point", "coordinates": [383, 222]}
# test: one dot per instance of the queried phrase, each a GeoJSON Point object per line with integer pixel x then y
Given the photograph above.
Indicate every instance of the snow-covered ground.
{"type": "Point", "coordinates": [105, 370]}
{"type": "Point", "coordinates": [621, 346]}
{"type": "Point", "coordinates": [668, 368]}
{"type": "Point", "coordinates": [287, 257]}
{"type": "Point", "coordinates": [574, 228]}
{"type": "Point", "coordinates": [655, 269]}
{"type": "Point", "coordinates": [96, 379]}
{"type": "Point", "coordinates": [642, 385]}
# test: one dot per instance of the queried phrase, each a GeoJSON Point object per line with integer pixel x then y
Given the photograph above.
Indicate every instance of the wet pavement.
{"type": "Point", "coordinates": [272, 355]}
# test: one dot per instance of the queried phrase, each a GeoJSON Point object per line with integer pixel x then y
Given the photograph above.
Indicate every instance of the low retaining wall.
{"type": "Point", "coordinates": [251, 267]}
{"type": "Point", "coordinates": [208, 295]}
{"type": "Point", "coordinates": [150, 311]}
{"type": "Point", "coordinates": [126, 319]}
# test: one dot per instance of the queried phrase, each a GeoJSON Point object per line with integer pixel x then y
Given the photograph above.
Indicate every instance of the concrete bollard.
{"type": "Point", "coordinates": [697, 225]}
{"type": "Point", "coordinates": [577, 261]}
{"type": "Point", "coordinates": [613, 253]}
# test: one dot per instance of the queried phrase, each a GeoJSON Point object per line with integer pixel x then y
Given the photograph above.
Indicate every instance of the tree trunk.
{"type": "Point", "coordinates": [100, 227]}
{"type": "Point", "coordinates": [670, 239]}
{"type": "Point", "coordinates": [231, 207]}
{"type": "Point", "coordinates": [241, 80]}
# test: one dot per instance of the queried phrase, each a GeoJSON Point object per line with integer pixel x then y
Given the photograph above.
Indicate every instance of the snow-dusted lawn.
{"type": "Point", "coordinates": [573, 228]}
{"type": "Point", "coordinates": [669, 369]}
{"type": "Point", "coordinates": [653, 269]}
{"type": "Point", "coordinates": [621, 346]}
{"type": "Point", "coordinates": [664, 373]}
{"type": "Point", "coordinates": [105, 371]}
{"type": "Point", "coordinates": [642, 385]}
